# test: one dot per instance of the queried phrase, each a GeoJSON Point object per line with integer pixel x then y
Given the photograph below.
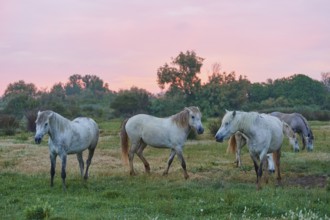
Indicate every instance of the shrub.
{"type": "Point", "coordinates": [8, 124]}
{"type": "Point", "coordinates": [39, 211]}
{"type": "Point", "coordinates": [31, 117]}
{"type": "Point", "coordinates": [214, 126]}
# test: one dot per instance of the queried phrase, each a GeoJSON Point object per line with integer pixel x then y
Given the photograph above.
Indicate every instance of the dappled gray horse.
{"type": "Point", "coordinates": [264, 135]}
{"type": "Point", "coordinates": [299, 125]}
{"type": "Point", "coordinates": [67, 137]}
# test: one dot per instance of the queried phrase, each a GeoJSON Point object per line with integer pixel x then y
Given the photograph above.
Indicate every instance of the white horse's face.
{"type": "Point", "coordinates": [227, 129]}
{"type": "Point", "coordinates": [42, 126]}
{"type": "Point", "coordinates": [195, 121]}
{"type": "Point", "coordinates": [309, 142]}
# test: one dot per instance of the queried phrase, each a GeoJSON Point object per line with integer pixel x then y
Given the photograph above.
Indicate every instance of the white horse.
{"type": "Point", "coordinates": [171, 132]}
{"type": "Point", "coordinates": [264, 135]}
{"type": "Point", "coordinates": [299, 125]}
{"type": "Point", "coordinates": [67, 137]}
{"type": "Point", "coordinates": [238, 140]}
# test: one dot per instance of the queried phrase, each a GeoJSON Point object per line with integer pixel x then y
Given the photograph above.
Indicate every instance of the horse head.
{"type": "Point", "coordinates": [195, 117]}
{"type": "Point", "coordinates": [309, 140]}
{"type": "Point", "coordinates": [42, 125]}
{"type": "Point", "coordinates": [226, 129]}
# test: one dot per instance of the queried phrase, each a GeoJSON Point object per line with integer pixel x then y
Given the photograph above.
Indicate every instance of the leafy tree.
{"type": "Point", "coordinates": [20, 88]}
{"type": "Point", "coordinates": [223, 91]}
{"type": "Point", "coordinates": [326, 80]}
{"type": "Point", "coordinates": [129, 102]}
{"type": "Point", "coordinates": [20, 97]}
{"type": "Point", "coordinates": [182, 77]}
{"type": "Point", "coordinates": [74, 86]}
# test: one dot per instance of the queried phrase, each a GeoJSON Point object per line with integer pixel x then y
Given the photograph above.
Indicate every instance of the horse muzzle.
{"type": "Point", "coordinates": [219, 138]}
{"type": "Point", "coordinates": [37, 140]}
{"type": "Point", "coordinates": [200, 130]}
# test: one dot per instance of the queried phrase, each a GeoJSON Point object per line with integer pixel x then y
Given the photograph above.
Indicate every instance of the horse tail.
{"type": "Point", "coordinates": [232, 145]}
{"type": "Point", "coordinates": [124, 142]}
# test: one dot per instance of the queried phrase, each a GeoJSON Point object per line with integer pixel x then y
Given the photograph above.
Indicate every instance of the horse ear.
{"type": "Point", "coordinates": [185, 108]}
{"type": "Point", "coordinates": [51, 115]}
{"type": "Point", "coordinates": [39, 112]}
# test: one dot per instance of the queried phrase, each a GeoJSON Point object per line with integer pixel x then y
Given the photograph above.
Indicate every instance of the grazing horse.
{"type": "Point", "coordinates": [238, 140]}
{"type": "Point", "coordinates": [299, 125]}
{"type": "Point", "coordinates": [264, 135]}
{"type": "Point", "coordinates": [170, 132]}
{"type": "Point", "coordinates": [67, 137]}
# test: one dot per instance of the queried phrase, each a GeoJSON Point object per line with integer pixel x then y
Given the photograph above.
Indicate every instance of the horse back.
{"type": "Point", "coordinates": [85, 132]}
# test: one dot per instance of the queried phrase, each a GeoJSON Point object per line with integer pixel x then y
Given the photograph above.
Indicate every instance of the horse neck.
{"type": "Point", "coordinates": [244, 123]}
{"type": "Point", "coordinates": [305, 128]}
{"type": "Point", "coordinates": [58, 125]}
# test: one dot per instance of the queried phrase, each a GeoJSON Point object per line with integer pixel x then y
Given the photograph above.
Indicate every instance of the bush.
{"type": "Point", "coordinates": [31, 117]}
{"type": "Point", "coordinates": [214, 126]}
{"type": "Point", "coordinates": [8, 124]}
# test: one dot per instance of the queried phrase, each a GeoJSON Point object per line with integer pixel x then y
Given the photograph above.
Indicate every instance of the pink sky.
{"type": "Point", "coordinates": [125, 42]}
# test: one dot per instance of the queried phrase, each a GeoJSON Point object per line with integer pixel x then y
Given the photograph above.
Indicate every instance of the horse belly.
{"type": "Point", "coordinates": [156, 138]}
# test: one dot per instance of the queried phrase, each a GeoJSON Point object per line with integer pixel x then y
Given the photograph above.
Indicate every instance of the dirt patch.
{"type": "Point", "coordinates": [311, 181]}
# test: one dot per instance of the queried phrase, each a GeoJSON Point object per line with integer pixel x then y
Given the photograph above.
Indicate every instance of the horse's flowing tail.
{"type": "Point", "coordinates": [124, 142]}
{"type": "Point", "coordinates": [232, 145]}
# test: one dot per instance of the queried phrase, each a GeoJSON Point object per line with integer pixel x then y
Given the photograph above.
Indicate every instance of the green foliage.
{"type": "Point", "coordinates": [129, 102]}
{"type": "Point", "coordinates": [39, 211]}
{"type": "Point", "coordinates": [214, 125]}
{"type": "Point", "coordinates": [182, 77]}
{"type": "Point", "coordinates": [8, 124]}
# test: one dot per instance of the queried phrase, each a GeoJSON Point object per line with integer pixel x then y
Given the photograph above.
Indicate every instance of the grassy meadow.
{"type": "Point", "coordinates": [216, 189]}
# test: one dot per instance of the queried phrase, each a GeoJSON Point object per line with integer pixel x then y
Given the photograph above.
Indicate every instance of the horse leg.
{"type": "Point", "coordinates": [131, 157]}
{"type": "Point", "coordinates": [265, 167]}
{"type": "Point", "coordinates": [81, 163]}
{"type": "Point", "coordinates": [63, 172]}
{"type": "Point", "coordinates": [276, 157]}
{"type": "Point", "coordinates": [140, 154]}
{"type": "Point", "coordinates": [52, 168]}
{"type": "Point", "coordinates": [183, 164]}
{"type": "Point", "coordinates": [89, 161]}
{"type": "Point", "coordinates": [303, 141]}
{"type": "Point", "coordinates": [239, 145]}
{"type": "Point", "coordinates": [169, 162]}
{"type": "Point", "coordinates": [256, 168]}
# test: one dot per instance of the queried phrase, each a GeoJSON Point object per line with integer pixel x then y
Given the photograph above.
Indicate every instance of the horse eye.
{"type": "Point", "coordinates": [46, 124]}
{"type": "Point", "coordinates": [227, 123]}
{"type": "Point", "coordinates": [193, 117]}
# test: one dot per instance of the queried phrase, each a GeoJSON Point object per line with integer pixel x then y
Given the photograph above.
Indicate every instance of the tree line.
{"type": "Point", "coordinates": [89, 95]}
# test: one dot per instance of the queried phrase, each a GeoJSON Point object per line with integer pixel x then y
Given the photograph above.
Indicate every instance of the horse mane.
{"type": "Point", "coordinates": [248, 118]}
{"type": "Point", "coordinates": [58, 122]}
{"type": "Point", "coordinates": [305, 123]}
{"type": "Point", "coordinates": [181, 119]}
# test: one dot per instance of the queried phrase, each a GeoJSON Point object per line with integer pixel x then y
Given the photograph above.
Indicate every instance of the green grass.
{"type": "Point", "coordinates": [216, 189]}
